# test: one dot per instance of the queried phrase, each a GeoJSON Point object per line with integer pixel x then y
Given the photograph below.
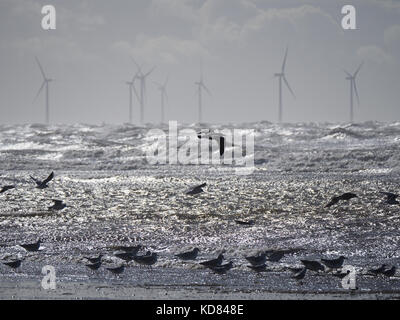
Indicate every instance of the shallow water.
{"type": "Point", "coordinates": [114, 196]}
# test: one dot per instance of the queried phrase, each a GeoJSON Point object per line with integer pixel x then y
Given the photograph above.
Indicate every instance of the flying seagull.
{"type": "Point", "coordinates": [43, 184]}
{"type": "Point", "coordinates": [245, 223]}
{"type": "Point", "coordinates": [334, 263]}
{"type": "Point", "coordinates": [197, 189]}
{"type": "Point", "coordinates": [220, 139]}
{"type": "Point", "coordinates": [31, 246]}
{"type": "Point", "coordinates": [391, 198]}
{"type": "Point", "coordinates": [345, 196]}
{"type": "Point", "coordinates": [6, 188]}
{"type": "Point", "coordinates": [58, 205]}
{"type": "Point", "coordinates": [214, 262]}
{"type": "Point", "coordinates": [190, 255]}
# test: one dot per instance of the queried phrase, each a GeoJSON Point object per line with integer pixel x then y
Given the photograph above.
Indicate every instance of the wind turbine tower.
{"type": "Point", "coordinates": [200, 86]}
{"type": "Point", "coordinates": [353, 89]}
{"type": "Point", "coordinates": [281, 77]}
{"type": "Point", "coordinates": [163, 93]}
{"type": "Point", "coordinates": [45, 83]}
{"type": "Point", "coordinates": [142, 80]}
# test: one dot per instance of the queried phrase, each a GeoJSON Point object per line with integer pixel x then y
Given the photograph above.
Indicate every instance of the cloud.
{"type": "Point", "coordinates": [374, 54]}
{"type": "Point", "coordinates": [165, 49]}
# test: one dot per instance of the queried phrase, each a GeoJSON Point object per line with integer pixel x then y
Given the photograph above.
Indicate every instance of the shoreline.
{"type": "Point", "coordinates": [77, 290]}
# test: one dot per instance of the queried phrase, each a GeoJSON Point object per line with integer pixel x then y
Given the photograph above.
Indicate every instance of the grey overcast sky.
{"type": "Point", "coordinates": [240, 42]}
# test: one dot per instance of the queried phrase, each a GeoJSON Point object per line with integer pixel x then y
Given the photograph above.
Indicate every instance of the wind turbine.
{"type": "Point", "coordinates": [353, 88]}
{"type": "Point", "coordinates": [142, 79]}
{"type": "Point", "coordinates": [131, 86]}
{"type": "Point", "coordinates": [200, 86]}
{"type": "Point", "coordinates": [44, 84]}
{"type": "Point", "coordinates": [281, 77]}
{"type": "Point", "coordinates": [163, 93]}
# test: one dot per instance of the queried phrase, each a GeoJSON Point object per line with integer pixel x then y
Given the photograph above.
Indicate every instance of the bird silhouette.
{"type": "Point", "coordinates": [313, 265]}
{"type": "Point", "coordinates": [147, 259]}
{"type": "Point", "coordinates": [31, 246]}
{"type": "Point", "coordinates": [213, 262]}
{"type": "Point", "coordinates": [94, 266]}
{"type": "Point", "coordinates": [391, 198]}
{"type": "Point", "coordinates": [6, 188]}
{"type": "Point", "coordinates": [13, 264]}
{"type": "Point", "coordinates": [94, 259]}
{"type": "Point", "coordinates": [276, 256]}
{"type": "Point", "coordinates": [345, 196]}
{"type": "Point", "coordinates": [222, 269]}
{"type": "Point", "coordinates": [58, 205]}
{"type": "Point", "coordinates": [389, 272]}
{"type": "Point", "coordinates": [300, 275]}
{"type": "Point", "coordinates": [196, 190]}
{"type": "Point", "coordinates": [42, 184]}
{"type": "Point", "coordinates": [334, 263]}
{"type": "Point", "coordinates": [257, 259]}
{"type": "Point", "coordinates": [378, 270]}
{"type": "Point", "coordinates": [258, 268]}
{"type": "Point", "coordinates": [190, 255]}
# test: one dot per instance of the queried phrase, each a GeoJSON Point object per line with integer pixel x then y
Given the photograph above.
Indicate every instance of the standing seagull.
{"type": "Point", "coordinates": [222, 269]}
{"type": "Point", "coordinates": [6, 188]}
{"type": "Point", "coordinates": [45, 83]}
{"type": "Point", "coordinates": [197, 189]}
{"type": "Point", "coordinates": [214, 262]}
{"type": "Point", "coordinates": [31, 246]}
{"type": "Point", "coordinates": [147, 259]}
{"type": "Point", "coordinates": [353, 88]}
{"type": "Point", "coordinates": [257, 260]}
{"type": "Point", "coordinates": [345, 196]}
{"type": "Point", "coordinates": [391, 198]}
{"type": "Point", "coordinates": [13, 264]}
{"type": "Point", "coordinates": [334, 263]}
{"type": "Point", "coordinates": [281, 77]}
{"type": "Point", "coordinates": [190, 255]}
{"type": "Point", "coordinates": [142, 79]}
{"type": "Point", "coordinates": [58, 205]}
{"type": "Point", "coordinates": [300, 275]}
{"type": "Point", "coordinates": [163, 93]}
{"type": "Point", "coordinates": [43, 184]}
{"type": "Point", "coordinates": [313, 265]}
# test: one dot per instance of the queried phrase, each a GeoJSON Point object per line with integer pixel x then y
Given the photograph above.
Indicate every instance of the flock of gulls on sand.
{"type": "Point", "coordinates": [257, 262]}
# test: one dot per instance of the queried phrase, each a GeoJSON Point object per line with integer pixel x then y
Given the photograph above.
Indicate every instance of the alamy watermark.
{"type": "Point", "coordinates": [228, 148]}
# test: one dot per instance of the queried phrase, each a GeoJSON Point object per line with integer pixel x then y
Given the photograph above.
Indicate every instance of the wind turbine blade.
{"type": "Point", "coordinates": [356, 91]}
{"type": "Point", "coordinates": [137, 66]}
{"type": "Point", "coordinates": [288, 86]}
{"type": "Point", "coordinates": [205, 88]}
{"type": "Point", "coordinates": [40, 67]}
{"type": "Point", "coordinates": [284, 60]}
{"type": "Point", "coordinates": [165, 93]}
{"type": "Point", "coordinates": [136, 93]}
{"type": "Point", "coordinates": [40, 90]}
{"type": "Point", "coordinates": [355, 74]}
{"type": "Point", "coordinates": [348, 73]}
{"type": "Point", "coordinates": [166, 81]}
{"type": "Point", "coordinates": [148, 73]}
